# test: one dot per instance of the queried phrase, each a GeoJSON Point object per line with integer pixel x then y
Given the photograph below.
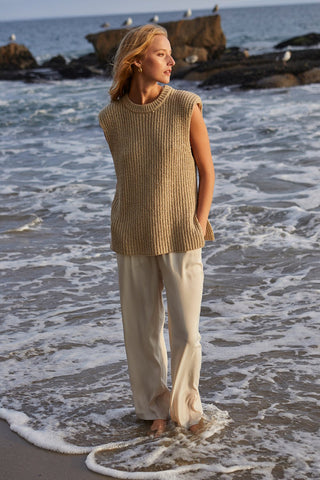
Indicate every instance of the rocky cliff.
{"type": "Point", "coordinates": [196, 40]}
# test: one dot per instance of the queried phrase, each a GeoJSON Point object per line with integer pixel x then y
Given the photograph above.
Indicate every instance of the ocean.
{"type": "Point", "coordinates": [64, 382]}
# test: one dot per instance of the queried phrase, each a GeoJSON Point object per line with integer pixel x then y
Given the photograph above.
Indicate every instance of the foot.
{"type": "Point", "coordinates": [158, 427]}
{"type": "Point", "coordinates": [197, 428]}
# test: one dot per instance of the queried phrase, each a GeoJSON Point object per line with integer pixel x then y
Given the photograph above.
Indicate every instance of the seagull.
{"type": "Point", "coordinates": [154, 19]}
{"type": "Point", "coordinates": [192, 59]}
{"type": "Point", "coordinates": [215, 8]}
{"type": "Point", "coordinates": [127, 22]}
{"type": "Point", "coordinates": [286, 57]}
{"type": "Point", "coordinates": [105, 25]}
{"type": "Point", "coordinates": [12, 37]}
{"type": "Point", "coordinates": [188, 13]}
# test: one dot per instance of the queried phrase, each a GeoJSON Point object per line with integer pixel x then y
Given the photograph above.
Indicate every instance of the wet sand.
{"type": "Point", "coordinates": [19, 460]}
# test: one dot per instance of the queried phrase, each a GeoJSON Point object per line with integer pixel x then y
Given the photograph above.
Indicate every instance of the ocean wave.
{"type": "Point", "coordinates": [26, 227]}
{"type": "Point", "coordinates": [63, 364]}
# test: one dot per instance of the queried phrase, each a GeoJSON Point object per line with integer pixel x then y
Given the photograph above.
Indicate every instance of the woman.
{"type": "Point", "coordinates": [159, 223]}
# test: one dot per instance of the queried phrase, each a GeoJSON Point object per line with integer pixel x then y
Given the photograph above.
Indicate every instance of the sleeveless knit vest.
{"type": "Point", "coordinates": [154, 208]}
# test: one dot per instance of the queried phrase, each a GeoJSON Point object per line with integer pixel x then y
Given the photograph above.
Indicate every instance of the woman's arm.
{"type": "Point", "coordinates": [200, 145]}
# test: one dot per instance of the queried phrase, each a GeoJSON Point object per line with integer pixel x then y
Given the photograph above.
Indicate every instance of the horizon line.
{"type": "Point", "coordinates": [225, 7]}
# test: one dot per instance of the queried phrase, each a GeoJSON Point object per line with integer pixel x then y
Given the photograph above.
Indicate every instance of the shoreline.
{"type": "Point", "coordinates": [20, 460]}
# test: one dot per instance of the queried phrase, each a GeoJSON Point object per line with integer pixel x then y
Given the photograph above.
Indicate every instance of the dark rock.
{"type": "Point", "coordinates": [55, 62]}
{"type": "Point", "coordinates": [231, 58]}
{"type": "Point", "coordinates": [283, 80]}
{"type": "Point", "coordinates": [248, 72]}
{"type": "Point", "coordinates": [35, 75]}
{"type": "Point", "coordinates": [308, 40]}
{"type": "Point", "coordinates": [201, 37]}
{"type": "Point", "coordinates": [56, 69]}
{"type": "Point", "coordinates": [82, 67]}
{"type": "Point", "coordinates": [16, 57]}
{"type": "Point", "coordinates": [310, 76]}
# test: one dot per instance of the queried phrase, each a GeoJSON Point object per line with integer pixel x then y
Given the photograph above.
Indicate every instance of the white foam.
{"type": "Point", "coordinates": [8, 189]}
{"type": "Point", "coordinates": [47, 438]}
{"type": "Point", "coordinates": [28, 226]}
{"type": "Point", "coordinates": [172, 474]}
{"type": "Point", "coordinates": [143, 457]}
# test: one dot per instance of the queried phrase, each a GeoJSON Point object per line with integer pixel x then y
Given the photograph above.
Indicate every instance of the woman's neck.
{"type": "Point", "coordinates": [144, 94]}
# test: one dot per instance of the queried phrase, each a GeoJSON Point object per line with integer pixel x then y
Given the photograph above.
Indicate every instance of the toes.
{"type": "Point", "coordinates": [158, 427]}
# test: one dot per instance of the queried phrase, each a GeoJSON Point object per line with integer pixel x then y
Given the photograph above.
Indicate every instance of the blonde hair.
{"type": "Point", "coordinates": [133, 45]}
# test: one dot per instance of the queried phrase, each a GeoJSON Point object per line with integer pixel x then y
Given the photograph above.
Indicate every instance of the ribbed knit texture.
{"type": "Point", "coordinates": [154, 208]}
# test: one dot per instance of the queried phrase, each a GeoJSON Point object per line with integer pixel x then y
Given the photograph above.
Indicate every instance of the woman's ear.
{"type": "Point", "coordinates": [137, 63]}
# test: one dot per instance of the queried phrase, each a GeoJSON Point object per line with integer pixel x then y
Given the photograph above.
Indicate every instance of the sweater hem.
{"type": "Point", "coordinates": [165, 251]}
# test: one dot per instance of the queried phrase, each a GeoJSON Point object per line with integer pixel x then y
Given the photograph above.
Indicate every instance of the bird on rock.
{"type": "Point", "coordinates": [127, 22]}
{"type": "Point", "coordinates": [286, 57]}
{"type": "Point", "coordinates": [188, 13]}
{"type": "Point", "coordinates": [12, 37]}
{"type": "Point", "coordinates": [154, 19]}
{"type": "Point", "coordinates": [192, 59]}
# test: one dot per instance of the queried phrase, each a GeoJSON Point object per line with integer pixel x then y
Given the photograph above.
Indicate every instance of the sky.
{"type": "Point", "coordinates": [22, 9]}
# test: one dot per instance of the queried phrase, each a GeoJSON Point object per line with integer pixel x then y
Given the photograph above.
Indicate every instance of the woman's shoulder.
{"type": "Point", "coordinates": [185, 96]}
{"type": "Point", "coordinates": [108, 112]}
{"type": "Point", "coordinates": [108, 109]}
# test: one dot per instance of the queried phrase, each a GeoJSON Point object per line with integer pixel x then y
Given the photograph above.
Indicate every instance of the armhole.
{"type": "Point", "coordinates": [103, 125]}
{"type": "Point", "coordinates": [199, 103]}
{"type": "Point", "coordinates": [196, 101]}
{"type": "Point", "coordinates": [100, 120]}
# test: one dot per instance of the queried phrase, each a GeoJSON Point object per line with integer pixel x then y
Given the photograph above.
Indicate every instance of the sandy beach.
{"type": "Point", "coordinates": [20, 460]}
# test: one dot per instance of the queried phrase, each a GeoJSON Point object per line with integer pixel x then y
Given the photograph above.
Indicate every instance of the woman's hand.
{"type": "Point", "coordinates": [203, 226]}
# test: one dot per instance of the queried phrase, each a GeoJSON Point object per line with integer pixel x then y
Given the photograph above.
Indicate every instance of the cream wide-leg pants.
{"type": "Point", "coordinates": [141, 280]}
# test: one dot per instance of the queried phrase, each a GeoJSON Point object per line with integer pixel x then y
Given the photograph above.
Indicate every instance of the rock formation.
{"type": "Point", "coordinates": [308, 40]}
{"type": "Point", "coordinates": [18, 64]}
{"type": "Point", "coordinates": [200, 55]}
{"type": "Point", "coordinates": [16, 57]}
{"type": "Point", "coordinates": [201, 37]}
{"type": "Point", "coordinates": [234, 68]}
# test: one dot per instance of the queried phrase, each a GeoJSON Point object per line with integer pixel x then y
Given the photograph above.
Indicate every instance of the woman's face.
{"type": "Point", "coordinates": [157, 62]}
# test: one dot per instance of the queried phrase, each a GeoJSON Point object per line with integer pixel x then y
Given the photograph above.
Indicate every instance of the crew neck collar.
{"type": "Point", "coordinates": [146, 107]}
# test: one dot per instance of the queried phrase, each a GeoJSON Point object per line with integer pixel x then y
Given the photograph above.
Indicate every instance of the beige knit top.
{"type": "Point", "coordinates": [154, 208]}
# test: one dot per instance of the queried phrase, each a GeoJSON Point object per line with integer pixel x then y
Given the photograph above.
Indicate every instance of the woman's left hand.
{"type": "Point", "coordinates": [203, 226]}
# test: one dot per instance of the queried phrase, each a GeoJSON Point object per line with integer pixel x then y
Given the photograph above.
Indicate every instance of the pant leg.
{"type": "Point", "coordinates": [183, 279]}
{"type": "Point", "coordinates": [143, 319]}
